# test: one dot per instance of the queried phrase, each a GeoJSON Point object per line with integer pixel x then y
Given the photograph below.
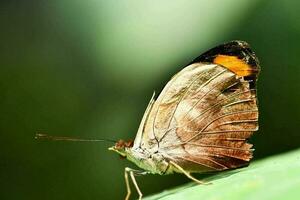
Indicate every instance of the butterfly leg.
{"type": "Point", "coordinates": [136, 185]}
{"type": "Point", "coordinates": [186, 173]}
{"type": "Point", "coordinates": [127, 183]}
{"type": "Point", "coordinates": [132, 174]}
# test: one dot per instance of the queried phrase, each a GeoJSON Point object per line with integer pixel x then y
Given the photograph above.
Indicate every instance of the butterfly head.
{"type": "Point", "coordinates": [121, 146]}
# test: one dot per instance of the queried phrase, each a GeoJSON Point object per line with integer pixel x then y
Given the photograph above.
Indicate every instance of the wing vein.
{"type": "Point", "coordinates": [201, 163]}
{"type": "Point", "coordinates": [217, 104]}
{"type": "Point", "coordinates": [186, 91]}
{"type": "Point", "coordinates": [212, 121]}
{"type": "Point", "coordinates": [203, 95]}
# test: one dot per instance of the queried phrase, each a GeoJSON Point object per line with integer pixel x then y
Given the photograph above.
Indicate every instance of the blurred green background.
{"type": "Point", "coordinates": [88, 68]}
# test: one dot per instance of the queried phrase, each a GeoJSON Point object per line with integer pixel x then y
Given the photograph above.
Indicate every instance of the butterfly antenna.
{"type": "Point", "coordinates": [42, 136]}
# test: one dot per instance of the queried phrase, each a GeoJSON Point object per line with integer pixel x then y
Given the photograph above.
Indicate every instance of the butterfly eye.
{"type": "Point", "coordinates": [129, 143]}
{"type": "Point", "coordinates": [120, 144]}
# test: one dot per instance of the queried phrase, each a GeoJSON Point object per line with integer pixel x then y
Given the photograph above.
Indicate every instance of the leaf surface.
{"type": "Point", "coordinates": [273, 178]}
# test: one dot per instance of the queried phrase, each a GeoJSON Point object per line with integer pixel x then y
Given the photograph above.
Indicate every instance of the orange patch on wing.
{"type": "Point", "coordinates": [238, 66]}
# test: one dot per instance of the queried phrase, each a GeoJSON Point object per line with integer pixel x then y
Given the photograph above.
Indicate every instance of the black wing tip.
{"type": "Point", "coordinates": [238, 48]}
{"type": "Point", "coordinates": [241, 43]}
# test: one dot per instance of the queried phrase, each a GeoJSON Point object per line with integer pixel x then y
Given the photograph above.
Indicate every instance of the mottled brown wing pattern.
{"type": "Point", "coordinates": [209, 120]}
{"type": "Point", "coordinates": [161, 116]}
{"type": "Point", "coordinates": [206, 112]}
{"type": "Point", "coordinates": [216, 136]}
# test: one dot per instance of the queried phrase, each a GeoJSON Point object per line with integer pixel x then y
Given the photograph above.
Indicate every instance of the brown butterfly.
{"type": "Point", "coordinates": [201, 120]}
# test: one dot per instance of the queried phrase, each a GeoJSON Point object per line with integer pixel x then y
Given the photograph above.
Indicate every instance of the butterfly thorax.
{"type": "Point", "coordinates": [154, 163]}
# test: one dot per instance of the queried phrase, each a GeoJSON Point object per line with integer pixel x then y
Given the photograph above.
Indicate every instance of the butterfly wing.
{"type": "Point", "coordinates": [206, 112]}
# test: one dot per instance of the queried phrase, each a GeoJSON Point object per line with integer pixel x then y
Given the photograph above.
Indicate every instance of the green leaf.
{"type": "Point", "coordinates": [274, 178]}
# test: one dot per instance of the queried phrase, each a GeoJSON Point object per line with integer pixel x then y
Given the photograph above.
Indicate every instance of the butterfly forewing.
{"type": "Point", "coordinates": [204, 115]}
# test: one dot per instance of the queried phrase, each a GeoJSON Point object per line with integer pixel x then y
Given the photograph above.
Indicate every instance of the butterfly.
{"type": "Point", "coordinates": [201, 120]}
